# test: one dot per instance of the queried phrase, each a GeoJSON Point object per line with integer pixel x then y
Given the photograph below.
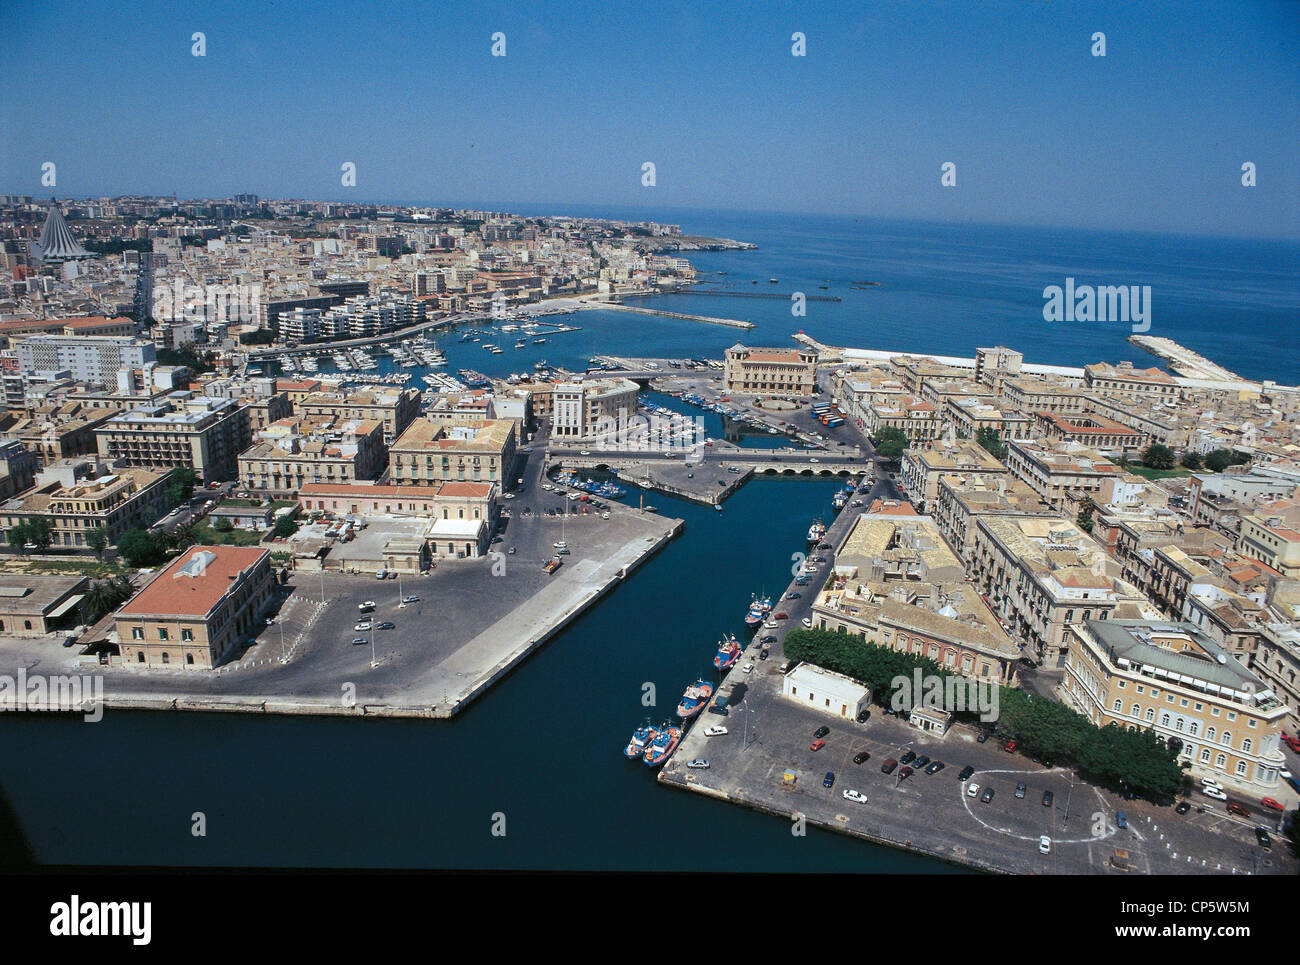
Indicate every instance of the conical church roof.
{"type": "Point", "coordinates": [57, 242]}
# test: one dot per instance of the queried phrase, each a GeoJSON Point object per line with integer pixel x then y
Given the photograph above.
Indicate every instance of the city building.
{"type": "Point", "coordinates": [587, 408]}
{"type": "Point", "coordinates": [33, 606]}
{"type": "Point", "coordinates": [76, 497]}
{"type": "Point", "coordinates": [429, 453]}
{"type": "Point", "coordinates": [1173, 679]}
{"type": "Point", "coordinates": [89, 358]}
{"type": "Point", "coordinates": [831, 693]}
{"type": "Point", "coordinates": [393, 408]}
{"type": "Point", "coordinates": [199, 610]}
{"type": "Point", "coordinates": [201, 433]}
{"type": "Point", "coordinates": [778, 371]}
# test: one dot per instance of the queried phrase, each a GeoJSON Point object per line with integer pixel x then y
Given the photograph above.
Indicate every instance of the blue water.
{"type": "Point", "coordinates": [544, 745]}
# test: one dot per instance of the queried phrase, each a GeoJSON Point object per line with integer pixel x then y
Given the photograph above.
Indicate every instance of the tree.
{"type": "Point", "coordinates": [104, 596]}
{"type": "Point", "coordinates": [992, 442]}
{"type": "Point", "coordinates": [39, 532]}
{"type": "Point", "coordinates": [17, 536]}
{"type": "Point", "coordinates": [1156, 456]}
{"type": "Point", "coordinates": [1221, 459]}
{"type": "Point", "coordinates": [223, 525]}
{"type": "Point", "coordinates": [97, 540]}
{"type": "Point", "coordinates": [285, 527]}
{"type": "Point", "coordinates": [1191, 460]}
{"type": "Point", "coordinates": [180, 483]}
{"type": "Point", "coordinates": [140, 548]}
{"type": "Point", "coordinates": [1086, 509]}
{"type": "Point", "coordinates": [890, 443]}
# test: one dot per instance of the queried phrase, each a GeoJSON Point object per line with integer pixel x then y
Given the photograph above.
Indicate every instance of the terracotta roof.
{"type": "Point", "coordinates": [174, 592]}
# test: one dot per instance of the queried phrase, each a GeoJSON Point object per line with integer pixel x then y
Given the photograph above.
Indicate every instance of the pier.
{"type": "Point", "coordinates": [730, 322]}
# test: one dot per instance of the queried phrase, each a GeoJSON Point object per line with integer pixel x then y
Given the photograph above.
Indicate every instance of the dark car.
{"type": "Point", "coordinates": [821, 732]}
{"type": "Point", "coordinates": [386, 625]}
{"type": "Point", "coordinates": [987, 795]}
{"type": "Point", "coordinates": [1183, 807]}
{"type": "Point", "coordinates": [907, 758]}
{"type": "Point", "coordinates": [1264, 840]}
{"type": "Point", "coordinates": [904, 773]}
{"type": "Point", "coordinates": [769, 638]}
{"type": "Point", "coordinates": [888, 766]}
{"type": "Point", "coordinates": [762, 655]}
{"type": "Point", "coordinates": [864, 717]}
{"type": "Point", "coordinates": [983, 736]}
{"type": "Point", "coordinates": [920, 762]}
{"type": "Point", "coordinates": [965, 773]}
{"type": "Point", "coordinates": [861, 756]}
{"type": "Point", "coordinates": [1020, 789]}
{"type": "Point", "coordinates": [793, 595]}
{"type": "Point", "coordinates": [1121, 820]}
{"type": "Point", "coordinates": [829, 780]}
{"type": "Point", "coordinates": [935, 767]}
{"type": "Point", "coordinates": [1047, 799]}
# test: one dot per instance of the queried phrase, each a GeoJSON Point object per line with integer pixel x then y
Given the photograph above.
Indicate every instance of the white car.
{"type": "Point", "coordinates": [715, 731]}
{"type": "Point", "coordinates": [363, 626]}
{"type": "Point", "coordinates": [510, 495]}
{"type": "Point", "coordinates": [368, 605]}
{"type": "Point", "coordinates": [1211, 782]}
{"type": "Point", "coordinates": [585, 452]}
{"type": "Point", "coordinates": [573, 496]}
{"type": "Point", "coordinates": [699, 764]}
{"type": "Point", "coordinates": [972, 790]}
{"type": "Point", "coordinates": [748, 668]}
{"type": "Point", "coordinates": [769, 625]}
{"type": "Point", "coordinates": [807, 622]}
{"type": "Point", "coordinates": [1044, 844]}
{"type": "Point", "coordinates": [814, 460]}
{"type": "Point", "coordinates": [1215, 792]}
{"type": "Point", "coordinates": [852, 795]}
{"type": "Point", "coordinates": [548, 487]}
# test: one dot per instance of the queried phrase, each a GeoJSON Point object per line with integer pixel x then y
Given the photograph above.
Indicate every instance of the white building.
{"type": "Point", "coordinates": [90, 358]}
{"type": "Point", "coordinates": [827, 691]}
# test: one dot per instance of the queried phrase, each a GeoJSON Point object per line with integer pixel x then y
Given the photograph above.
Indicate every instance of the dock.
{"type": "Point", "coordinates": [708, 320]}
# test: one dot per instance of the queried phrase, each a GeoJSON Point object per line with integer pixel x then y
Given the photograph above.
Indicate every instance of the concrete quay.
{"type": "Point", "coordinates": [729, 322]}
{"type": "Point", "coordinates": [491, 613]}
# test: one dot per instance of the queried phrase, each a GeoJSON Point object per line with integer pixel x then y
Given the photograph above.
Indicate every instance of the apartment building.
{"type": "Point", "coordinates": [1124, 380]}
{"type": "Point", "coordinates": [201, 433]}
{"type": "Point", "coordinates": [587, 408]}
{"type": "Point", "coordinates": [75, 497]}
{"type": "Point", "coordinates": [294, 452]}
{"type": "Point", "coordinates": [1040, 575]}
{"type": "Point", "coordinates": [1027, 394]}
{"type": "Point", "coordinates": [393, 408]}
{"type": "Point", "coordinates": [1091, 430]}
{"type": "Point", "coordinates": [1277, 663]}
{"type": "Point", "coordinates": [199, 610]}
{"type": "Point", "coordinates": [1271, 534]}
{"type": "Point", "coordinates": [1171, 678]}
{"type": "Point", "coordinates": [53, 433]}
{"type": "Point", "coordinates": [1060, 474]}
{"type": "Point", "coordinates": [917, 419]}
{"type": "Point", "coordinates": [430, 453]}
{"type": "Point", "coordinates": [961, 501]}
{"type": "Point", "coordinates": [779, 371]}
{"type": "Point", "coordinates": [89, 358]}
{"type": "Point", "coordinates": [923, 468]}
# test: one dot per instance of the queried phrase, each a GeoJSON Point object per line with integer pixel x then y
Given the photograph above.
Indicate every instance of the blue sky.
{"type": "Point", "coordinates": [1151, 137]}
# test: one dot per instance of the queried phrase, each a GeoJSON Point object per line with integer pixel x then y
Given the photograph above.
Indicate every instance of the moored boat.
{"type": "Point", "coordinates": [641, 739]}
{"type": "Point", "coordinates": [694, 699]}
{"type": "Point", "coordinates": [662, 746]}
{"type": "Point", "coordinates": [728, 653]}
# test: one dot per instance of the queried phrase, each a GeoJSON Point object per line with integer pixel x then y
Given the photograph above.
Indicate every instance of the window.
{"type": "Point", "coordinates": [187, 634]}
{"type": "Point", "coordinates": [1221, 761]}
{"type": "Point", "coordinates": [162, 633]}
{"type": "Point", "coordinates": [165, 658]}
{"type": "Point", "coordinates": [1118, 705]}
{"type": "Point", "coordinates": [1205, 756]}
{"type": "Point", "coordinates": [1226, 739]}
{"type": "Point", "coordinates": [27, 624]}
{"type": "Point", "coordinates": [1246, 745]}
{"type": "Point", "coordinates": [189, 658]}
{"type": "Point", "coordinates": [137, 633]}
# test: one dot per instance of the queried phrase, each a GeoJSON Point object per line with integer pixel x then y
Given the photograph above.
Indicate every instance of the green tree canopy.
{"type": "Point", "coordinates": [992, 442]}
{"type": "Point", "coordinates": [890, 442]}
{"type": "Point", "coordinates": [1156, 456]}
{"type": "Point", "coordinates": [141, 548]}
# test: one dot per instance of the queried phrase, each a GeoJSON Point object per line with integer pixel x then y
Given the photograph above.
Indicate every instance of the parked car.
{"type": "Point", "coordinates": [762, 654]}
{"type": "Point", "coordinates": [972, 790]}
{"type": "Point", "coordinates": [1211, 782]}
{"type": "Point", "coordinates": [1121, 820]}
{"type": "Point", "coordinates": [386, 625]}
{"type": "Point", "coordinates": [861, 756]}
{"type": "Point", "coordinates": [1272, 805]}
{"type": "Point", "coordinates": [782, 616]}
{"type": "Point", "coordinates": [982, 737]}
{"type": "Point", "coordinates": [807, 622]}
{"type": "Point", "coordinates": [1215, 792]}
{"type": "Point", "coordinates": [748, 668]}
{"type": "Point", "coordinates": [360, 641]}
{"type": "Point", "coordinates": [821, 732]}
{"type": "Point", "coordinates": [367, 606]}
{"type": "Point", "coordinates": [1264, 840]}
{"type": "Point", "coordinates": [904, 773]}
{"type": "Point", "coordinates": [793, 595]}
{"type": "Point", "coordinates": [987, 796]}
{"type": "Point", "coordinates": [852, 795]}
{"type": "Point", "coordinates": [907, 758]}
{"type": "Point", "coordinates": [816, 745]}
{"type": "Point", "coordinates": [699, 764]}
{"type": "Point", "coordinates": [362, 627]}
{"type": "Point", "coordinates": [1020, 789]}
{"type": "Point", "coordinates": [888, 766]}
{"type": "Point", "coordinates": [769, 638]}
{"type": "Point", "coordinates": [965, 773]}
{"type": "Point", "coordinates": [921, 762]}
{"type": "Point", "coordinates": [864, 717]}
{"type": "Point", "coordinates": [1044, 845]}
{"type": "Point", "coordinates": [1182, 807]}
{"type": "Point", "coordinates": [717, 730]}
{"type": "Point", "coordinates": [1239, 809]}
{"type": "Point", "coordinates": [1009, 747]}
{"type": "Point", "coordinates": [829, 779]}
{"type": "Point", "coordinates": [935, 767]}
{"type": "Point", "coordinates": [1047, 799]}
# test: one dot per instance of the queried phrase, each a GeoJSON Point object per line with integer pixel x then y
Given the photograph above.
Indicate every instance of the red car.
{"type": "Point", "coordinates": [817, 745]}
{"type": "Point", "coordinates": [1273, 805]}
{"type": "Point", "coordinates": [1235, 808]}
{"type": "Point", "coordinates": [1009, 747]}
{"type": "Point", "coordinates": [782, 616]}
{"type": "Point", "coordinates": [1291, 742]}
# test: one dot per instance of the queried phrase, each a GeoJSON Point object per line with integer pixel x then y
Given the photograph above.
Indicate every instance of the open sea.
{"type": "Point", "coordinates": [544, 746]}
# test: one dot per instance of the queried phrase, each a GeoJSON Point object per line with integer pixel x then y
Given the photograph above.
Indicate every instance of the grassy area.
{"type": "Point", "coordinates": [204, 533]}
{"type": "Point", "coordinates": [1138, 469]}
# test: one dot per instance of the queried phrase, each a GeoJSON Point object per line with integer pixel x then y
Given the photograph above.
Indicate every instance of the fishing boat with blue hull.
{"type": "Point", "coordinates": [728, 653]}
{"type": "Point", "coordinates": [816, 532]}
{"type": "Point", "coordinates": [694, 699]}
{"type": "Point", "coordinates": [662, 746]}
{"type": "Point", "coordinates": [641, 739]}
